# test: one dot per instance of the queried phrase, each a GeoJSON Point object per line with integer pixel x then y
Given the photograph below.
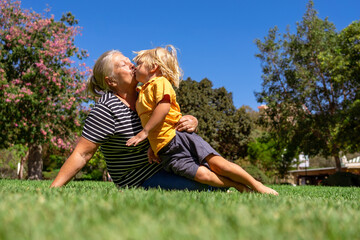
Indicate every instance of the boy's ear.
{"type": "Point", "coordinates": [154, 68]}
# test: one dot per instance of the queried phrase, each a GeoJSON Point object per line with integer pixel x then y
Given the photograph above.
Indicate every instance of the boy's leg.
{"type": "Point", "coordinates": [205, 176]}
{"type": "Point", "coordinates": [236, 173]}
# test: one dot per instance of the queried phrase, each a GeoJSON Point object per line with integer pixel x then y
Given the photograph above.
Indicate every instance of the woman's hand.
{"type": "Point", "coordinates": [151, 156]}
{"type": "Point", "coordinates": [187, 123]}
{"type": "Point", "coordinates": [138, 138]}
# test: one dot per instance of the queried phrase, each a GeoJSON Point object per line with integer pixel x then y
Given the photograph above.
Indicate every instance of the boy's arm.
{"type": "Point", "coordinates": [158, 115]}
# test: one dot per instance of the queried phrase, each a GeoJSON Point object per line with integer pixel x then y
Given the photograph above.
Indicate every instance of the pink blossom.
{"type": "Point", "coordinates": [60, 141]}
{"type": "Point", "coordinates": [55, 75]}
{"type": "Point", "coordinates": [77, 123]}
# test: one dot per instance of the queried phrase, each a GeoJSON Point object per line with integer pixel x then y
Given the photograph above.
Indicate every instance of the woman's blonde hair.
{"type": "Point", "coordinates": [96, 84]}
{"type": "Point", "coordinates": [165, 58]}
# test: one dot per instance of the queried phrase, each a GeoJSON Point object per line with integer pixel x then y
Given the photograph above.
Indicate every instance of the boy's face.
{"type": "Point", "coordinates": [142, 72]}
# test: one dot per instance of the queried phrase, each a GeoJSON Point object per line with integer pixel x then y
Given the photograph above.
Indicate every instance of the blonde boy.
{"type": "Point", "coordinates": [185, 154]}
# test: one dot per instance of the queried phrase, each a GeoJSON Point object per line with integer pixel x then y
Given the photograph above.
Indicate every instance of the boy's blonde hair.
{"type": "Point", "coordinates": [165, 58]}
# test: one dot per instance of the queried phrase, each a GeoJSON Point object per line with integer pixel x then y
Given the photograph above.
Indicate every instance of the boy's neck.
{"type": "Point", "coordinates": [157, 73]}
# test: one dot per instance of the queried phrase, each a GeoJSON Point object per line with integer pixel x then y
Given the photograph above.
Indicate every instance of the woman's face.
{"type": "Point", "coordinates": [123, 69]}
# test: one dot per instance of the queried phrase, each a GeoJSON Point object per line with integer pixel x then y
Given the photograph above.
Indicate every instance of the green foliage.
{"type": "Point", "coordinates": [257, 173]}
{"type": "Point", "coordinates": [310, 86]}
{"type": "Point", "coordinates": [50, 174]}
{"type": "Point", "coordinates": [9, 159]}
{"type": "Point", "coordinates": [224, 127]}
{"type": "Point", "coordinates": [268, 154]}
{"type": "Point", "coordinates": [98, 210]}
{"type": "Point", "coordinates": [94, 169]}
{"type": "Point", "coordinates": [343, 179]}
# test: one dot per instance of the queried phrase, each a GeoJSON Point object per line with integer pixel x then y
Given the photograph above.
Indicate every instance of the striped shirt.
{"type": "Point", "coordinates": [111, 123]}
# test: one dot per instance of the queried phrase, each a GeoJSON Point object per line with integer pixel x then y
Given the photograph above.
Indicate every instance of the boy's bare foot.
{"type": "Point", "coordinates": [265, 190]}
{"type": "Point", "coordinates": [243, 188]}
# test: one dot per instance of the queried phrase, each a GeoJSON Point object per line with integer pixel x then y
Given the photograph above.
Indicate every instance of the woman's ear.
{"type": "Point", "coordinates": [110, 81]}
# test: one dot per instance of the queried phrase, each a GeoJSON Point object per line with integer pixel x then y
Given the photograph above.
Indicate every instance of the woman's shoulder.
{"type": "Point", "coordinates": [106, 98]}
{"type": "Point", "coordinates": [105, 103]}
{"type": "Point", "coordinates": [109, 102]}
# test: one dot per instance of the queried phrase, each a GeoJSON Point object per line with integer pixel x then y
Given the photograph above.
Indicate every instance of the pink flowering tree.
{"type": "Point", "coordinates": [41, 81]}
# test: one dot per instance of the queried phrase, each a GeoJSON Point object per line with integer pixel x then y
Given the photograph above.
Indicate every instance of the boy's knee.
{"type": "Point", "coordinates": [203, 175]}
{"type": "Point", "coordinates": [221, 167]}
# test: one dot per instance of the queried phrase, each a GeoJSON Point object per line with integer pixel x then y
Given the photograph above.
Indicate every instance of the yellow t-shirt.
{"type": "Point", "coordinates": [150, 94]}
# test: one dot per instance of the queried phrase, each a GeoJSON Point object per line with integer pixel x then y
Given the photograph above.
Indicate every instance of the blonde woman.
{"type": "Point", "coordinates": [185, 154]}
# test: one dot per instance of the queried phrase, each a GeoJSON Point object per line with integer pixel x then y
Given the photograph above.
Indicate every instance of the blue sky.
{"type": "Point", "coordinates": [215, 38]}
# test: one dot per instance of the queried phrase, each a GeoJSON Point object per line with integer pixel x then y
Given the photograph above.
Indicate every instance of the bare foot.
{"type": "Point", "coordinates": [265, 190]}
{"type": "Point", "coordinates": [243, 188]}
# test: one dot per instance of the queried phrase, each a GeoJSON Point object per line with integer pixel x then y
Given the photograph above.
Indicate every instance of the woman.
{"type": "Point", "coordinates": [111, 122]}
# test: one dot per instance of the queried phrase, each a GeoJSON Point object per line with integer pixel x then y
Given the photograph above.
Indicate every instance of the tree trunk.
{"type": "Point", "coordinates": [35, 162]}
{"type": "Point", "coordinates": [22, 164]}
{"type": "Point", "coordinates": [338, 163]}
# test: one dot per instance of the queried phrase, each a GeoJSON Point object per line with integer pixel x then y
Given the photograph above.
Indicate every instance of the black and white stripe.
{"type": "Point", "coordinates": [111, 123]}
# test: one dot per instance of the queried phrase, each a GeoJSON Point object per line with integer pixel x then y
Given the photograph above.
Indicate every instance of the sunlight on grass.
{"type": "Point", "coordinates": [98, 210]}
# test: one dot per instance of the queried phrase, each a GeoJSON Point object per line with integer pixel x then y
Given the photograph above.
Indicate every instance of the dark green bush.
{"type": "Point", "coordinates": [95, 175]}
{"type": "Point", "coordinates": [257, 174]}
{"type": "Point", "coordinates": [342, 179]}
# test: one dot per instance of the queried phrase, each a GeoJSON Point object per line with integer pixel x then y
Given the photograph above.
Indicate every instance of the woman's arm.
{"type": "Point", "coordinates": [83, 152]}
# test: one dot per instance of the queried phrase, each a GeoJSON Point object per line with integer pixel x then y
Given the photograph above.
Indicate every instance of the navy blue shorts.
{"type": "Point", "coordinates": [185, 153]}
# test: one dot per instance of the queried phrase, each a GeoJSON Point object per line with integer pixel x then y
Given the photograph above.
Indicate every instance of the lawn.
{"type": "Point", "coordinates": [98, 210]}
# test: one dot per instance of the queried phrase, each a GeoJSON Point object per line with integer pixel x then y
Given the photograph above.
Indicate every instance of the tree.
{"type": "Point", "coordinates": [224, 127]}
{"type": "Point", "coordinates": [310, 85]}
{"type": "Point", "coordinates": [41, 85]}
{"type": "Point", "coordinates": [269, 155]}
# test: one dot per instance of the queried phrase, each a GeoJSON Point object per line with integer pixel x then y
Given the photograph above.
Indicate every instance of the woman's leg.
{"type": "Point", "coordinates": [234, 172]}
{"type": "Point", "coordinates": [170, 181]}
{"type": "Point", "coordinates": [205, 176]}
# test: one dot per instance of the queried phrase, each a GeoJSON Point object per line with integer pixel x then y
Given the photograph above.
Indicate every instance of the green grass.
{"type": "Point", "coordinates": [98, 210]}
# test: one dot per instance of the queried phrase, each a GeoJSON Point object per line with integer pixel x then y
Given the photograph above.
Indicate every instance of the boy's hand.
{"type": "Point", "coordinates": [151, 157]}
{"type": "Point", "coordinates": [138, 138]}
